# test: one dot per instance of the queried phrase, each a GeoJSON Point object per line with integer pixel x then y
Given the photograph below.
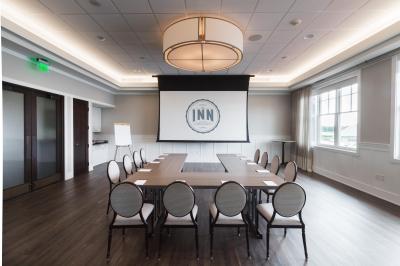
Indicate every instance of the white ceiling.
{"type": "Point", "coordinates": [133, 32]}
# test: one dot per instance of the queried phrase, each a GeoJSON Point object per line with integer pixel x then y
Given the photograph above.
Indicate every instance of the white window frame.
{"type": "Point", "coordinates": [395, 115]}
{"type": "Point", "coordinates": [324, 87]}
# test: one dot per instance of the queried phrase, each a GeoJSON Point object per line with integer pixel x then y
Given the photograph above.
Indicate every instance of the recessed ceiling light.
{"type": "Point", "coordinates": [255, 37]}
{"type": "Point", "coordinates": [284, 57]}
{"type": "Point", "coordinates": [295, 22]}
{"type": "Point", "coordinates": [142, 57]}
{"type": "Point", "coordinates": [269, 70]}
{"type": "Point", "coordinates": [94, 3]}
{"type": "Point", "coordinates": [101, 38]}
{"type": "Point", "coordinates": [308, 36]}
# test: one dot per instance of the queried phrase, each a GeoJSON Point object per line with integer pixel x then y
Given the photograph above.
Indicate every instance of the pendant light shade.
{"type": "Point", "coordinates": [203, 44]}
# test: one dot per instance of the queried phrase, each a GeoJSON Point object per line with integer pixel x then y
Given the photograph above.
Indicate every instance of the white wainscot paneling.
{"type": "Point", "coordinates": [197, 152]}
{"type": "Point", "coordinates": [372, 170]}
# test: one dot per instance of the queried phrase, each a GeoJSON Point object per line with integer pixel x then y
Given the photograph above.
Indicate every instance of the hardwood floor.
{"type": "Point", "coordinates": [65, 224]}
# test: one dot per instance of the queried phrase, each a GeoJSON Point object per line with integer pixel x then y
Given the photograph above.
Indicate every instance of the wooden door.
{"type": "Point", "coordinates": [33, 139]}
{"type": "Point", "coordinates": [81, 131]}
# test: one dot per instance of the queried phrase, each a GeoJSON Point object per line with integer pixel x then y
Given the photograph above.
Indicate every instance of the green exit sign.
{"type": "Point", "coordinates": [41, 64]}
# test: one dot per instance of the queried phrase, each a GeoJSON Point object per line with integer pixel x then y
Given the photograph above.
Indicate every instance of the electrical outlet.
{"type": "Point", "coordinates": [380, 177]}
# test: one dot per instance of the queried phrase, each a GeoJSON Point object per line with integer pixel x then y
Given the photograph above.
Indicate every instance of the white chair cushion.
{"type": "Point", "coordinates": [135, 220]}
{"type": "Point", "coordinates": [222, 219]}
{"type": "Point", "coordinates": [269, 190]}
{"type": "Point", "coordinates": [185, 220]}
{"type": "Point", "coordinates": [266, 210]}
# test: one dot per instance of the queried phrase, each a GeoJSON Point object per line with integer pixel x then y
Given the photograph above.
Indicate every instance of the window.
{"type": "Point", "coordinates": [396, 103]}
{"type": "Point", "coordinates": [337, 115]}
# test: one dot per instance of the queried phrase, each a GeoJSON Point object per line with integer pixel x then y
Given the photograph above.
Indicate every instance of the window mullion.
{"type": "Point", "coordinates": [337, 112]}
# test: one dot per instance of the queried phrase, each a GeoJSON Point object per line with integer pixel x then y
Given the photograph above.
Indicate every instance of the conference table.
{"type": "Point", "coordinates": [169, 168]}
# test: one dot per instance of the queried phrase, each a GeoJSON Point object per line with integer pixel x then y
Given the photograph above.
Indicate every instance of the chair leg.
{"type": "Point", "coordinates": [109, 242]}
{"type": "Point", "coordinates": [259, 197]}
{"type": "Point", "coordinates": [197, 242]}
{"type": "Point", "coordinates": [267, 239]}
{"type": "Point", "coordinates": [147, 241]}
{"type": "Point", "coordinates": [168, 231]}
{"type": "Point", "coordinates": [108, 206]}
{"type": "Point", "coordinates": [267, 198]}
{"type": "Point", "coordinates": [211, 241]}
{"type": "Point", "coordinates": [303, 233]}
{"type": "Point", "coordinates": [285, 231]}
{"type": "Point", "coordinates": [159, 242]}
{"type": "Point", "coordinates": [238, 231]}
{"type": "Point", "coordinates": [257, 220]}
{"type": "Point", "coordinates": [247, 241]}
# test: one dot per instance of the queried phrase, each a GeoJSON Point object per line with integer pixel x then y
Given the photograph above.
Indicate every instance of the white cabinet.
{"type": "Point", "coordinates": [96, 118]}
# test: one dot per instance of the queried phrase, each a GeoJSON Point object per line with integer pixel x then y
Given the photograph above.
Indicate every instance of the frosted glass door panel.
{"type": "Point", "coordinates": [46, 119]}
{"type": "Point", "coordinates": [13, 139]}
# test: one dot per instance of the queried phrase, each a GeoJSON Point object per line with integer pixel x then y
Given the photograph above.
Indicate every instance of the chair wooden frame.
{"type": "Point", "coordinates": [142, 156]}
{"type": "Point", "coordinates": [135, 154]}
{"type": "Point", "coordinates": [257, 156]}
{"type": "Point", "coordinates": [165, 216]}
{"type": "Point", "coordinates": [213, 222]}
{"type": "Point", "coordinates": [123, 163]}
{"type": "Point", "coordinates": [111, 185]}
{"type": "Point", "coordinates": [264, 155]}
{"type": "Point", "coordinates": [285, 227]}
{"type": "Point", "coordinates": [123, 227]}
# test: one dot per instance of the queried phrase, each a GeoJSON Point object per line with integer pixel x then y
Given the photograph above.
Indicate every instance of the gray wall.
{"type": "Point", "coordinates": [268, 114]}
{"type": "Point", "coordinates": [376, 102]}
{"type": "Point", "coordinates": [17, 69]}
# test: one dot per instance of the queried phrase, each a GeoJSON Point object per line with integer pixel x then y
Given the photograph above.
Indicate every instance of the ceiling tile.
{"type": "Point", "coordinates": [264, 36]}
{"type": "Point", "coordinates": [283, 36]}
{"type": "Point", "coordinates": [124, 38]}
{"type": "Point", "coordinates": [63, 6]}
{"type": "Point", "coordinates": [29, 6]}
{"type": "Point", "coordinates": [157, 56]}
{"type": "Point", "coordinates": [121, 57]}
{"type": "Point", "coordinates": [151, 68]}
{"type": "Point", "coordinates": [167, 19]}
{"type": "Point", "coordinates": [382, 5]}
{"type": "Point", "coordinates": [93, 37]}
{"type": "Point", "coordinates": [274, 6]}
{"type": "Point", "coordinates": [112, 22]}
{"type": "Point", "coordinates": [345, 5]}
{"type": "Point", "coordinates": [309, 5]}
{"type": "Point", "coordinates": [105, 7]}
{"type": "Point", "coordinates": [264, 21]}
{"type": "Point", "coordinates": [250, 47]}
{"type": "Point", "coordinates": [272, 46]}
{"type": "Point", "coordinates": [81, 23]}
{"type": "Point", "coordinates": [149, 36]}
{"type": "Point", "coordinates": [170, 6]}
{"type": "Point", "coordinates": [306, 19]}
{"type": "Point", "coordinates": [142, 22]}
{"type": "Point", "coordinates": [57, 24]}
{"type": "Point", "coordinates": [167, 69]}
{"type": "Point", "coordinates": [112, 49]}
{"type": "Point", "coordinates": [133, 6]}
{"type": "Point", "coordinates": [203, 5]}
{"type": "Point", "coordinates": [357, 21]}
{"type": "Point", "coordinates": [238, 6]}
{"type": "Point", "coordinates": [328, 20]}
{"type": "Point", "coordinates": [240, 19]}
{"type": "Point", "coordinates": [239, 68]}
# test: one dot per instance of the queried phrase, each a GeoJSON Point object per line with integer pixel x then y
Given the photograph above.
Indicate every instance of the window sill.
{"type": "Point", "coordinates": [354, 153]}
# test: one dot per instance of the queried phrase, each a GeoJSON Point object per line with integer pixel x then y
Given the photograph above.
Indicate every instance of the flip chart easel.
{"type": "Point", "coordinates": [122, 133]}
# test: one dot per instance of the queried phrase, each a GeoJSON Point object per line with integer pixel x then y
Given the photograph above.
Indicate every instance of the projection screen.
{"type": "Point", "coordinates": [203, 116]}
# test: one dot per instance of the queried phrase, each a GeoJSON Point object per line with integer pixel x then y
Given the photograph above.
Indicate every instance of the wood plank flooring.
{"type": "Point", "coordinates": [65, 224]}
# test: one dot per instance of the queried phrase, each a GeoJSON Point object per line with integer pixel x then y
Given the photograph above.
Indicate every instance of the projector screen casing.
{"type": "Point", "coordinates": [227, 95]}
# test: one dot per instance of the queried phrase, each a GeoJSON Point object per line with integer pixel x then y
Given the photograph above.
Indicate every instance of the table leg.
{"type": "Point", "coordinates": [252, 212]}
{"type": "Point", "coordinates": [283, 153]}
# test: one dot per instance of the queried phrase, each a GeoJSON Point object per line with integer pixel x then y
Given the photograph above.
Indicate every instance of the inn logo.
{"type": "Point", "coordinates": [202, 116]}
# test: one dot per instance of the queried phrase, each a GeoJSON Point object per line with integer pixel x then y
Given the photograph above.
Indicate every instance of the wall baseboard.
{"type": "Point", "coordinates": [374, 191]}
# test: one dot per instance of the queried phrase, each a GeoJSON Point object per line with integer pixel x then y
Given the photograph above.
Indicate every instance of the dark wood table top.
{"type": "Point", "coordinates": [170, 169]}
